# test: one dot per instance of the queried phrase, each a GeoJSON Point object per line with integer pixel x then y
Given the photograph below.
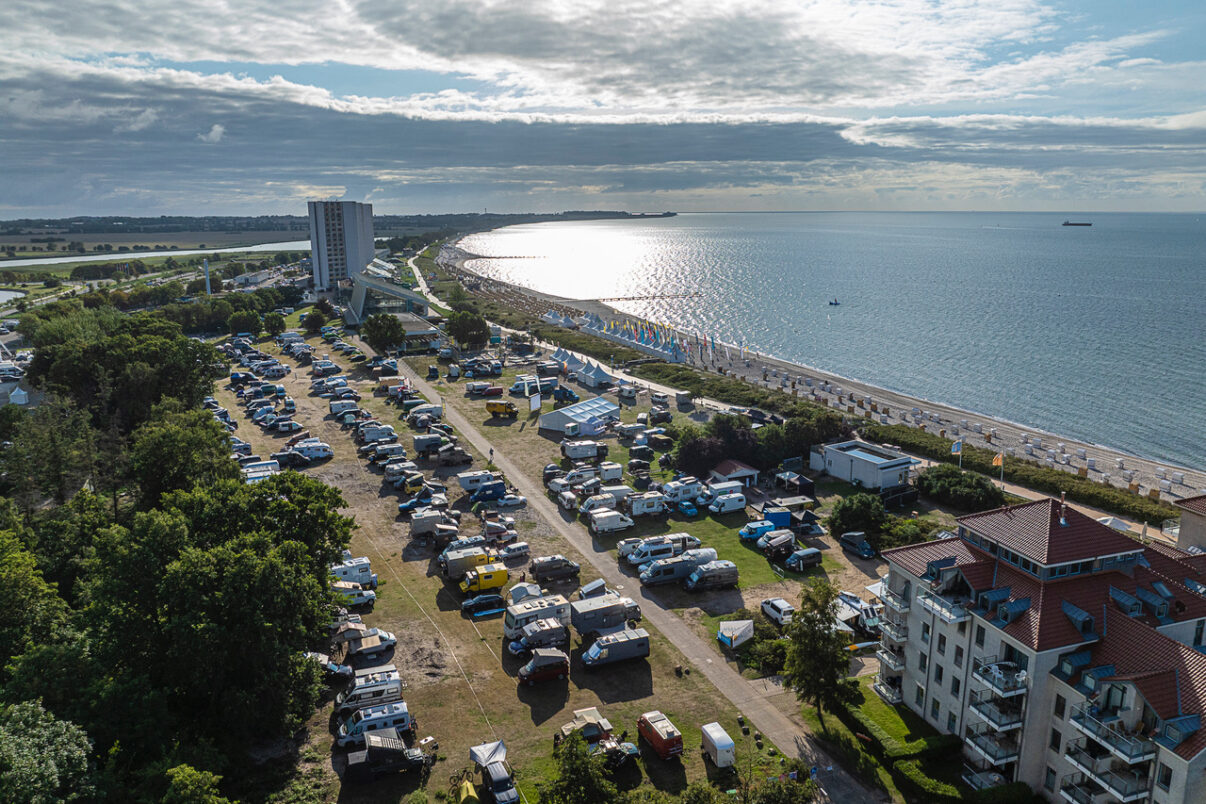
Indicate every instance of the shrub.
{"type": "Point", "coordinates": [911, 772]}
{"type": "Point", "coordinates": [1026, 473]}
{"type": "Point", "coordinates": [892, 748]}
{"type": "Point", "coordinates": [858, 512]}
{"type": "Point", "coordinates": [902, 531]}
{"type": "Point", "coordinates": [967, 491]}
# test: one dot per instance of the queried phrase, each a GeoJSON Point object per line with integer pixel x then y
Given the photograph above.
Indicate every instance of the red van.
{"type": "Point", "coordinates": [546, 664]}
{"type": "Point", "coordinates": [660, 733]}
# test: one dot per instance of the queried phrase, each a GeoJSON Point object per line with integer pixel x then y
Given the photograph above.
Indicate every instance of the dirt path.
{"type": "Point", "coordinates": [789, 736]}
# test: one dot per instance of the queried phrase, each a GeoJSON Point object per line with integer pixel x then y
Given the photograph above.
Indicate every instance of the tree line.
{"type": "Point", "coordinates": [153, 608]}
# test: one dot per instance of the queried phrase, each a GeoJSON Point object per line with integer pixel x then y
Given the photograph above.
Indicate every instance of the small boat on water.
{"type": "Point", "coordinates": [1077, 223]}
{"type": "Point", "coordinates": [834, 303]}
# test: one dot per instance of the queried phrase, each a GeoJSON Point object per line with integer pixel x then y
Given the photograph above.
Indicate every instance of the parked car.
{"type": "Point", "coordinates": [481, 605]}
{"type": "Point", "coordinates": [514, 551]}
{"type": "Point", "coordinates": [332, 672]}
{"type": "Point", "coordinates": [778, 610]}
{"type": "Point", "coordinates": [511, 501]}
{"type": "Point", "coordinates": [288, 426]}
{"type": "Point", "coordinates": [802, 559]}
{"type": "Point", "coordinates": [687, 508]}
{"type": "Point", "coordinates": [546, 664]}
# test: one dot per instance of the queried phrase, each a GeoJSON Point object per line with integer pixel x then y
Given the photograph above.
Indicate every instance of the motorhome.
{"type": "Point", "coordinates": [675, 568]}
{"type": "Point", "coordinates": [727, 504]}
{"type": "Point", "coordinates": [713, 575]}
{"type": "Point", "coordinates": [578, 450]}
{"type": "Point", "coordinates": [597, 502]}
{"type": "Point", "coordinates": [709, 494]}
{"type": "Point", "coordinates": [617, 647]}
{"type": "Point", "coordinates": [656, 547]}
{"type": "Point", "coordinates": [471, 481]}
{"type": "Point", "coordinates": [314, 451]}
{"type": "Point", "coordinates": [685, 488]}
{"type": "Point", "coordinates": [358, 570]}
{"type": "Point", "coordinates": [457, 562]}
{"type": "Point", "coordinates": [370, 687]}
{"type": "Point", "coordinates": [603, 612]}
{"type": "Point", "coordinates": [374, 718]}
{"type": "Point", "coordinates": [651, 503]}
{"type": "Point", "coordinates": [519, 615]}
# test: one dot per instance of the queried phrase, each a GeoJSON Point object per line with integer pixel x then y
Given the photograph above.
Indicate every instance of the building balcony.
{"type": "Point", "coordinates": [898, 632]}
{"type": "Point", "coordinates": [1077, 789]}
{"type": "Point", "coordinates": [892, 600]}
{"type": "Point", "coordinates": [948, 610]}
{"type": "Point", "coordinates": [998, 749]}
{"type": "Point", "coordinates": [1000, 714]}
{"type": "Point", "coordinates": [1101, 766]}
{"type": "Point", "coordinates": [888, 692]}
{"type": "Point", "coordinates": [1127, 747]}
{"type": "Point", "coordinates": [1006, 679]}
{"type": "Point", "coordinates": [983, 778]}
{"type": "Point", "coordinates": [890, 659]}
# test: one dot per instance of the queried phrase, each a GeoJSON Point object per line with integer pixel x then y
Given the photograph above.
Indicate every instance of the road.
{"type": "Point", "coordinates": [753, 701]}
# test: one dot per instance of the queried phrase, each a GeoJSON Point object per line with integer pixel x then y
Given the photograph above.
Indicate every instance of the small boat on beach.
{"type": "Point", "coordinates": [1076, 223]}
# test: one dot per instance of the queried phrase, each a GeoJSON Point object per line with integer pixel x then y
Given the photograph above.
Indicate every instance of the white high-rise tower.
{"type": "Point", "coordinates": [341, 240]}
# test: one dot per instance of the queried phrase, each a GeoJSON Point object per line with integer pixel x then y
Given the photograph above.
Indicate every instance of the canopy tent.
{"type": "Point", "coordinates": [488, 753]}
{"type": "Point", "coordinates": [551, 317]}
{"type": "Point", "coordinates": [574, 363]}
{"type": "Point", "coordinates": [734, 633]}
{"type": "Point", "coordinates": [561, 355]}
{"type": "Point", "coordinates": [595, 375]}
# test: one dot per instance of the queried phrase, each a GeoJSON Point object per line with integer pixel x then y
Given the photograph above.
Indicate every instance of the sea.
{"type": "Point", "coordinates": [1096, 333]}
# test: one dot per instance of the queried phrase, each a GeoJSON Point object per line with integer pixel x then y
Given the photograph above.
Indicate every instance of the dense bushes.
{"type": "Point", "coordinates": [1026, 473]}
{"type": "Point", "coordinates": [700, 448]}
{"type": "Point", "coordinates": [911, 772]}
{"type": "Point", "coordinates": [966, 491]}
{"type": "Point", "coordinates": [858, 512]}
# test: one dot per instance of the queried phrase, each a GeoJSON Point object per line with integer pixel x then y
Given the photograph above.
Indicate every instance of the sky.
{"type": "Point", "coordinates": [425, 106]}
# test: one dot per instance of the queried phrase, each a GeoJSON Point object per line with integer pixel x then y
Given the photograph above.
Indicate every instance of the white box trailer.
{"type": "Point", "coordinates": [576, 450]}
{"type": "Point", "coordinates": [719, 746]}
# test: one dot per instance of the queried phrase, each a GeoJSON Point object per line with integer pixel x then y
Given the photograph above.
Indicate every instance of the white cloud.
{"type": "Point", "coordinates": [214, 134]}
{"type": "Point", "coordinates": [140, 121]}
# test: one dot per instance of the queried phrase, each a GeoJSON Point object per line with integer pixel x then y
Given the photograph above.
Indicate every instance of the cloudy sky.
{"type": "Point", "coordinates": [253, 106]}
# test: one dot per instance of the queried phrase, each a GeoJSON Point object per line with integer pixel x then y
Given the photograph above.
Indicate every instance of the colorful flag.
{"type": "Point", "coordinates": [957, 448]}
{"type": "Point", "coordinates": [998, 459]}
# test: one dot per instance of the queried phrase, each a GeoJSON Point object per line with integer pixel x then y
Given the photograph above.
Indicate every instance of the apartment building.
{"type": "Point", "coordinates": [1067, 655]}
{"type": "Point", "coordinates": [341, 240]}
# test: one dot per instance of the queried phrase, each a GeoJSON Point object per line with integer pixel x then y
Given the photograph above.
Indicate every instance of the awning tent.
{"type": "Point", "coordinates": [590, 416]}
{"type": "Point", "coordinates": [488, 753]}
{"type": "Point", "coordinates": [734, 633]}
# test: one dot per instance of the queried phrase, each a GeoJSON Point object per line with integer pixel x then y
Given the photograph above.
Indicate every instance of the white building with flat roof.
{"type": "Point", "coordinates": [341, 240]}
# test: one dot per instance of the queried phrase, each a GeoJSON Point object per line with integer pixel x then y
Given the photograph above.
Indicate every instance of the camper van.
{"type": "Point", "coordinates": [617, 647]}
{"type": "Point", "coordinates": [578, 450]}
{"type": "Point", "coordinates": [371, 686]}
{"type": "Point", "coordinates": [338, 406]}
{"type": "Point", "coordinates": [374, 718]}
{"type": "Point", "coordinates": [856, 542]}
{"type": "Point", "coordinates": [456, 563]}
{"type": "Point", "coordinates": [603, 612]}
{"type": "Point", "coordinates": [314, 450]}
{"type": "Point", "coordinates": [606, 520]}
{"type": "Point", "coordinates": [709, 495]}
{"type": "Point", "coordinates": [657, 547]}
{"type": "Point", "coordinates": [657, 730]}
{"type": "Point", "coordinates": [519, 615]}
{"type": "Point", "coordinates": [685, 488]}
{"type": "Point", "coordinates": [676, 568]}
{"type": "Point", "coordinates": [546, 633]}
{"type": "Point", "coordinates": [485, 578]}
{"type": "Point", "coordinates": [727, 504]}
{"type": "Point", "coordinates": [651, 503]}
{"type": "Point", "coordinates": [471, 481]}
{"type": "Point", "coordinates": [713, 575]}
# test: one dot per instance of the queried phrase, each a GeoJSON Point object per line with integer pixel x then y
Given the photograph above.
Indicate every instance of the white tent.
{"type": "Point", "coordinates": [560, 355]}
{"type": "Point", "coordinates": [734, 633]}
{"type": "Point", "coordinates": [1115, 523]}
{"type": "Point", "coordinates": [551, 317]}
{"type": "Point", "coordinates": [595, 375]}
{"type": "Point", "coordinates": [574, 363]}
{"type": "Point", "coordinates": [488, 753]}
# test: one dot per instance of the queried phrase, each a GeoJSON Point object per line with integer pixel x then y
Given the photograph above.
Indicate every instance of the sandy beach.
{"type": "Point", "coordinates": [1102, 463]}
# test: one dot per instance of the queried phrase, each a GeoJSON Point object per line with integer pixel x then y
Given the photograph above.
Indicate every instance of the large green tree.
{"type": "Point", "coordinates": [187, 785]}
{"type": "Point", "coordinates": [246, 321]}
{"type": "Point", "coordinates": [274, 323]}
{"type": "Point", "coordinates": [43, 760]}
{"type": "Point", "coordinates": [176, 449]}
{"type": "Point", "coordinates": [818, 664]}
{"type": "Point", "coordinates": [53, 452]}
{"type": "Point", "coordinates": [468, 328]}
{"type": "Point", "coordinates": [30, 608]}
{"type": "Point", "coordinates": [383, 332]}
{"type": "Point", "coordinates": [580, 776]}
{"type": "Point", "coordinates": [314, 321]}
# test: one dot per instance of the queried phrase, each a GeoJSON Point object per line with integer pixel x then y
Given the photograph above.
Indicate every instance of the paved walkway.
{"type": "Point", "coordinates": [752, 700]}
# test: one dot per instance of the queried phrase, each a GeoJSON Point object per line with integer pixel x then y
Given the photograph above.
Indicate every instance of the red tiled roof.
{"type": "Point", "coordinates": [1034, 530]}
{"type": "Point", "coordinates": [1170, 675]}
{"type": "Point", "coordinates": [1195, 504]}
{"type": "Point", "coordinates": [728, 468]}
{"type": "Point", "coordinates": [980, 574]}
{"type": "Point", "coordinates": [915, 558]}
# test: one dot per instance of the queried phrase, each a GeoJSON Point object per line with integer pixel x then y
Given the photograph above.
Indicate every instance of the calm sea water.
{"type": "Point", "coordinates": [1097, 333]}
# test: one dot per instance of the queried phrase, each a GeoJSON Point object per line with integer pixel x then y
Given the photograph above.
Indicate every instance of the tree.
{"type": "Point", "coordinates": [314, 321]}
{"type": "Point", "coordinates": [274, 323]}
{"type": "Point", "coordinates": [246, 321]}
{"type": "Point", "coordinates": [817, 660]}
{"type": "Point", "coordinates": [858, 512]}
{"type": "Point", "coordinates": [187, 785]}
{"type": "Point", "coordinates": [177, 449]}
{"type": "Point", "coordinates": [383, 332]}
{"type": "Point", "coordinates": [581, 777]}
{"type": "Point", "coordinates": [325, 307]}
{"type": "Point", "coordinates": [42, 759]}
{"type": "Point", "coordinates": [29, 607]}
{"type": "Point", "coordinates": [53, 451]}
{"type": "Point", "coordinates": [468, 328]}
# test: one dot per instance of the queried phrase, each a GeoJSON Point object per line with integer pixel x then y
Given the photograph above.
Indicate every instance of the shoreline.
{"type": "Point", "coordinates": [1009, 433]}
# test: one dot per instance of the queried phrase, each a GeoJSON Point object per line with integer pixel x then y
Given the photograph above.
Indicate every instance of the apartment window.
{"type": "Point", "coordinates": [958, 656]}
{"type": "Point", "coordinates": [963, 628]}
{"type": "Point", "coordinates": [956, 685]}
{"type": "Point", "coordinates": [1060, 706]}
{"type": "Point", "coordinates": [1057, 740]}
{"type": "Point", "coordinates": [925, 632]}
{"type": "Point", "coordinates": [919, 695]}
{"type": "Point", "coordinates": [1197, 631]}
{"type": "Point", "coordinates": [1164, 776]}
{"type": "Point", "coordinates": [1049, 779]}
{"type": "Point", "coordinates": [942, 644]}
{"type": "Point", "coordinates": [979, 636]}
{"type": "Point", "coordinates": [951, 722]}
{"type": "Point", "coordinates": [935, 709]}
{"type": "Point", "coordinates": [924, 663]}
{"type": "Point", "coordinates": [938, 674]}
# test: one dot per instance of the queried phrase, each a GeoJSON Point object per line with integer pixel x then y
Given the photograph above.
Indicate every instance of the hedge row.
{"type": "Point", "coordinates": [892, 748]}
{"type": "Point", "coordinates": [1025, 473]}
{"type": "Point", "coordinates": [911, 772]}
{"type": "Point", "coordinates": [729, 390]}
